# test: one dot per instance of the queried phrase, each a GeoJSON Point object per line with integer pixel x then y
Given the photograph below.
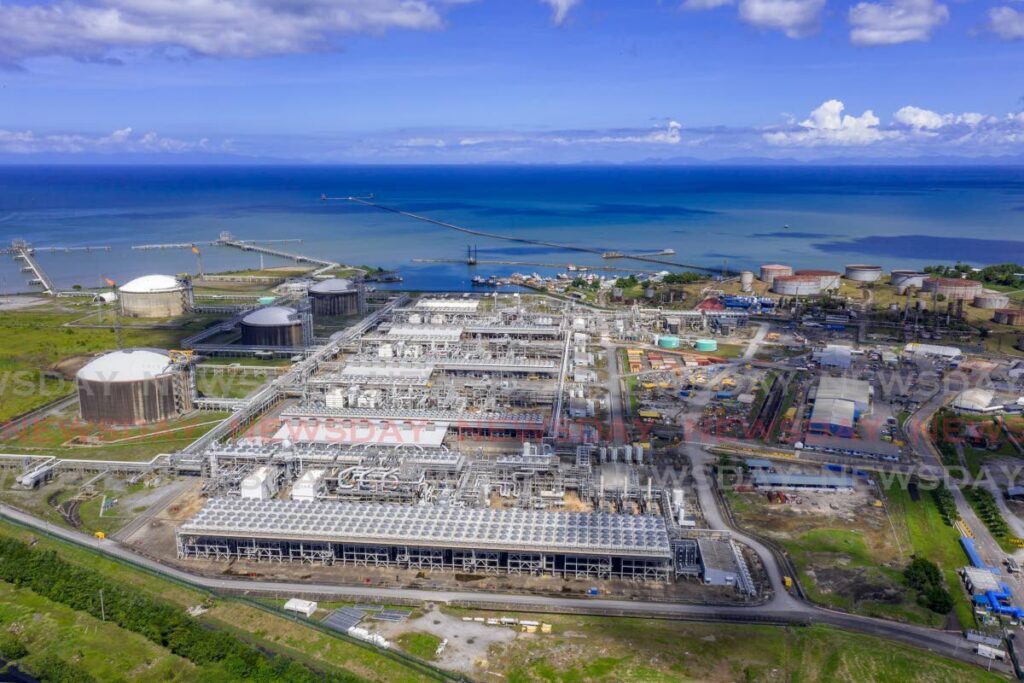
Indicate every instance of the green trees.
{"type": "Point", "coordinates": [925, 577]}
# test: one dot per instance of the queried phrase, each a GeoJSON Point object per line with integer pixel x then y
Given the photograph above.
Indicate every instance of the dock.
{"type": "Point", "coordinates": [226, 239]}
{"type": "Point", "coordinates": [23, 252]}
{"type": "Point", "coordinates": [523, 240]}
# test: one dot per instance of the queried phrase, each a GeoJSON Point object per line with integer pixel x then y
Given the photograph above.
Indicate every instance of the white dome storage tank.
{"type": "Point", "coordinates": [133, 386]}
{"type": "Point", "coordinates": [858, 272]}
{"type": "Point", "coordinates": [154, 296]}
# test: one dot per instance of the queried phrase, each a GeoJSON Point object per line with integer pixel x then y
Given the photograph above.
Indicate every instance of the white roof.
{"type": "Point", "coordinates": [461, 304]}
{"type": "Point", "coordinates": [381, 433]}
{"type": "Point", "coordinates": [833, 411]}
{"type": "Point", "coordinates": [271, 316]}
{"type": "Point", "coordinates": [128, 365]}
{"type": "Point", "coordinates": [151, 283]}
{"type": "Point", "coordinates": [845, 388]}
{"type": "Point", "coordinates": [933, 350]}
{"type": "Point", "coordinates": [974, 400]}
{"type": "Point", "coordinates": [335, 284]}
{"type": "Point", "coordinates": [425, 332]}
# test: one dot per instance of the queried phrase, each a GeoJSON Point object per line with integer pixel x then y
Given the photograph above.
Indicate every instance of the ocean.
{"type": "Point", "coordinates": [734, 217]}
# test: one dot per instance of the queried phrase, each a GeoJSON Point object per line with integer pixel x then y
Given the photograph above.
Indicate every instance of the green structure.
{"type": "Point", "coordinates": [707, 345]}
{"type": "Point", "coordinates": [668, 342]}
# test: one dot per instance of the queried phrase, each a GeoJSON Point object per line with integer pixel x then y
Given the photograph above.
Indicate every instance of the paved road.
{"type": "Point", "coordinates": [755, 343]}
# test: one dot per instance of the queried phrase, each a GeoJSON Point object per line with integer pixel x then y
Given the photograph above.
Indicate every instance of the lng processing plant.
{"type": "Point", "coordinates": [581, 437]}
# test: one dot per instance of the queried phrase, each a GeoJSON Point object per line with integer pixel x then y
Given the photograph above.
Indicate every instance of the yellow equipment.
{"type": "Point", "coordinates": [100, 535]}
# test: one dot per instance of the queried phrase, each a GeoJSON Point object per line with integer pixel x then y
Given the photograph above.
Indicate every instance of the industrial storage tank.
{"type": "Point", "coordinates": [953, 288]}
{"type": "Point", "coordinates": [902, 279]}
{"type": "Point", "coordinates": [1009, 316]}
{"type": "Point", "coordinates": [990, 299]}
{"type": "Point", "coordinates": [272, 326]}
{"type": "Point", "coordinates": [773, 270]}
{"type": "Point", "coordinates": [668, 342]}
{"type": "Point", "coordinates": [706, 345]}
{"type": "Point", "coordinates": [154, 296]}
{"type": "Point", "coordinates": [133, 386]}
{"type": "Point", "coordinates": [336, 296]}
{"type": "Point", "coordinates": [797, 285]}
{"type": "Point", "coordinates": [746, 281]}
{"type": "Point", "coordinates": [827, 279]}
{"type": "Point", "coordinates": [858, 272]}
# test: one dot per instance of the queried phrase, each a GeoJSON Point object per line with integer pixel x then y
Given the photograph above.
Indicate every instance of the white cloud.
{"type": "Point", "coordinates": [795, 18]}
{"type": "Point", "coordinates": [928, 120]}
{"type": "Point", "coordinates": [560, 9]}
{"type": "Point", "coordinates": [1006, 22]}
{"type": "Point", "coordinates": [123, 140]}
{"type": "Point", "coordinates": [422, 142]}
{"type": "Point", "coordinates": [892, 23]}
{"type": "Point", "coordinates": [827, 125]}
{"type": "Point", "coordinates": [98, 29]}
{"type": "Point", "coordinates": [669, 134]}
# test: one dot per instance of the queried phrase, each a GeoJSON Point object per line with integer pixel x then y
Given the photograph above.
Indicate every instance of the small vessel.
{"type": "Point", "coordinates": [481, 281]}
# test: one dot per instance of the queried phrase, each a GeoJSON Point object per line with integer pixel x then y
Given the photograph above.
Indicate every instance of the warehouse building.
{"type": "Point", "coordinates": [915, 349]}
{"type": "Point", "coordinates": [431, 537]}
{"type": "Point", "coordinates": [846, 389]}
{"type": "Point", "coordinates": [976, 401]}
{"type": "Point", "coordinates": [132, 387]}
{"type": "Point", "coordinates": [778, 481]}
{"type": "Point", "coordinates": [834, 417]}
{"type": "Point", "coordinates": [835, 356]}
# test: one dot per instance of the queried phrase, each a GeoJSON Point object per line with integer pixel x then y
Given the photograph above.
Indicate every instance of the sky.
{"type": "Point", "coordinates": [509, 81]}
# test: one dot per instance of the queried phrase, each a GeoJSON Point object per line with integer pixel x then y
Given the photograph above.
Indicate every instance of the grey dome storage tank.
{"type": "Point", "coordinates": [272, 326]}
{"type": "Point", "coordinates": [336, 296]}
{"type": "Point", "coordinates": [154, 296]}
{"type": "Point", "coordinates": [133, 386]}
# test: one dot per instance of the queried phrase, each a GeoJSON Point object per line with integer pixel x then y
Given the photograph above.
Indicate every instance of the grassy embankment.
{"type": "Point", "coordinates": [267, 631]}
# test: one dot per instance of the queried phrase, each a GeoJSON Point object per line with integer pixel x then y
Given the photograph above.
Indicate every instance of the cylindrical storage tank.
{"type": "Point", "coordinates": [706, 345]}
{"type": "Point", "coordinates": [902, 279]}
{"type": "Point", "coordinates": [858, 272]}
{"type": "Point", "coordinates": [153, 296]}
{"type": "Point", "coordinates": [272, 326]}
{"type": "Point", "coordinates": [668, 342]}
{"type": "Point", "coordinates": [1009, 316]}
{"type": "Point", "coordinates": [953, 288]}
{"type": "Point", "coordinates": [746, 281]}
{"type": "Point", "coordinates": [990, 299]}
{"type": "Point", "coordinates": [133, 386]}
{"type": "Point", "coordinates": [827, 279]}
{"type": "Point", "coordinates": [266, 300]}
{"type": "Point", "coordinates": [797, 285]}
{"type": "Point", "coordinates": [336, 296]}
{"type": "Point", "coordinates": [773, 270]}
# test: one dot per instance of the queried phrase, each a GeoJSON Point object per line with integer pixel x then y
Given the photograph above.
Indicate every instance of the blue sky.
{"type": "Point", "coordinates": [463, 81]}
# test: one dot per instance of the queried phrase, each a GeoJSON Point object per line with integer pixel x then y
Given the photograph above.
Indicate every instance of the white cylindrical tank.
{"type": "Point", "coordinates": [858, 272]}
{"type": "Point", "coordinates": [773, 270]}
{"type": "Point", "coordinates": [627, 453]}
{"type": "Point", "coordinates": [153, 296]}
{"type": "Point", "coordinates": [990, 299]}
{"type": "Point", "coordinates": [953, 288]}
{"type": "Point", "coordinates": [746, 282]}
{"type": "Point", "coordinates": [903, 279]}
{"type": "Point", "coordinates": [827, 279]}
{"type": "Point", "coordinates": [797, 285]}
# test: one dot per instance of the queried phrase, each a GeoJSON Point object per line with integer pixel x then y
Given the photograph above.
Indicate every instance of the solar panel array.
{"type": "Point", "coordinates": [434, 525]}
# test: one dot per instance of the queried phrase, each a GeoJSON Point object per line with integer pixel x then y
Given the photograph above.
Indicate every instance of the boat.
{"type": "Point", "coordinates": [481, 281]}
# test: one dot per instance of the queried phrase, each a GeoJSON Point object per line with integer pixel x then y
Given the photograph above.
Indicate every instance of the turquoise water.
{"type": "Point", "coordinates": [894, 217]}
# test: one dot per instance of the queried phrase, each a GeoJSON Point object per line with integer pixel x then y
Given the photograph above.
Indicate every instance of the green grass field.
{"type": "Point", "coordinates": [419, 644]}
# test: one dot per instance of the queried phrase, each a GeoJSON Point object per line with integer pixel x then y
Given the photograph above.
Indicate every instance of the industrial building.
{"type": "Point", "coordinates": [976, 401]}
{"type": "Point", "coordinates": [916, 349]}
{"type": "Point", "coordinates": [832, 416]}
{"type": "Point", "coordinates": [858, 272]}
{"type": "Point", "coordinates": [134, 386]}
{"type": "Point", "coordinates": [857, 391]}
{"type": "Point", "coordinates": [432, 537]}
{"type": "Point", "coordinates": [953, 288]}
{"type": "Point", "coordinates": [336, 296]}
{"type": "Point", "coordinates": [835, 356]}
{"type": "Point", "coordinates": [773, 270]}
{"type": "Point", "coordinates": [777, 481]}
{"type": "Point", "coordinates": [273, 326]}
{"type": "Point", "coordinates": [155, 296]}
{"type": "Point", "coordinates": [722, 564]}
